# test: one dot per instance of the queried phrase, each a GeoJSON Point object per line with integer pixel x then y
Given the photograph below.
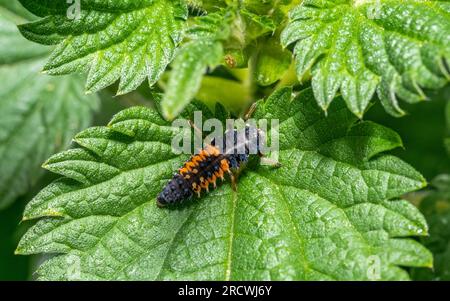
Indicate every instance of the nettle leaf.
{"type": "Point", "coordinates": [14, 48]}
{"type": "Point", "coordinates": [38, 114]}
{"type": "Point", "coordinates": [330, 212]}
{"type": "Point", "coordinates": [257, 25]}
{"type": "Point", "coordinates": [203, 51]}
{"type": "Point", "coordinates": [207, 5]}
{"type": "Point", "coordinates": [394, 48]}
{"type": "Point", "coordinates": [276, 9]}
{"type": "Point", "coordinates": [271, 62]}
{"type": "Point", "coordinates": [436, 208]}
{"type": "Point", "coordinates": [15, 9]}
{"type": "Point", "coordinates": [109, 40]}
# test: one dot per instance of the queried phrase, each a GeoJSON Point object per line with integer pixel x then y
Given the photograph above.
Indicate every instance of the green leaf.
{"type": "Point", "coordinates": [275, 9]}
{"type": "Point", "coordinates": [203, 52]}
{"type": "Point", "coordinates": [325, 214]}
{"type": "Point", "coordinates": [436, 208]}
{"type": "Point", "coordinates": [217, 90]}
{"type": "Point", "coordinates": [187, 73]}
{"type": "Point", "coordinates": [422, 131]}
{"type": "Point", "coordinates": [272, 62]}
{"type": "Point", "coordinates": [16, 9]}
{"type": "Point", "coordinates": [207, 5]}
{"type": "Point", "coordinates": [111, 40]}
{"type": "Point", "coordinates": [391, 47]}
{"type": "Point", "coordinates": [38, 114]}
{"type": "Point", "coordinates": [14, 48]}
{"type": "Point", "coordinates": [257, 25]}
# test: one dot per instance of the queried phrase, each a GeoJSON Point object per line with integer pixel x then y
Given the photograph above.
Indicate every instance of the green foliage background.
{"type": "Point", "coordinates": [361, 91]}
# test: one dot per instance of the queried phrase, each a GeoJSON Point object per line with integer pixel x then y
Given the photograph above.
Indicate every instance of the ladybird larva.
{"type": "Point", "coordinates": [205, 168]}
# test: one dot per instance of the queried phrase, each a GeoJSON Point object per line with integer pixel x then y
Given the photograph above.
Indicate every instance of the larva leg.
{"type": "Point", "coordinates": [250, 111]}
{"type": "Point", "coordinates": [270, 162]}
{"type": "Point", "coordinates": [197, 132]}
{"type": "Point", "coordinates": [233, 178]}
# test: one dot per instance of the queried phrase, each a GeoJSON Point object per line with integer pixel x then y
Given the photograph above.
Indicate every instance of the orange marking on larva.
{"type": "Point", "coordinates": [210, 181]}
{"type": "Point", "coordinates": [213, 179]}
{"type": "Point", "coordinates": [183, 171]}
{"type": "Point", "coordinates": [196, 159]}
{"type": "Point", "coordinates": [212, 150]}
{"type": "Point", "coordinates": [196, 188]}
{"type": "Point", "coordinates": [216, 151]}
{"type": "Point", "coordinates": [224, 165]}
{"type": "Point", "coordinates": [190, 165]}
{"type": "Point", "coordinates": [219, 174]}
{"type": "Point", "coordinates": [204, 185]}
{"type": "Point", "coordinates": [203, 154]}
{"type": "Point", "coordinates": [206, 150]}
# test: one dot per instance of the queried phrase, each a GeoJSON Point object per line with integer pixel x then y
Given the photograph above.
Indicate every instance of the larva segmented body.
{"type": "Point", "coordinates": [203, 170]}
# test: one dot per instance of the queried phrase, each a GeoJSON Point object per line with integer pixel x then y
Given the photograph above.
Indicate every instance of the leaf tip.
{"type": "Point", "coordinates": [169, 116]}
{"type": "Point", "coordinates": [325, 109]}
{"type": "Point", "coordinates": [429, 264]}
{"type": "Point", "coordinates": [359, 114]}
{"type": "Point", "coordinates": [45, 165]}
{"type": "Point", "coordinates": [424, 182]}
{"type": "Point", "coordinates": [122, 91]}
{"type": "Point", "coordinates": [401, 113]}
{"type": "Point", "coordinates": [25, 218]}
{"type": "Point", "coordinates": [77, 140]}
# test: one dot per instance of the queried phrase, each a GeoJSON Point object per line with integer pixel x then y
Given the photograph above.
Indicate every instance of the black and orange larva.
{"type": "Point", "coordinates": [205, 168]}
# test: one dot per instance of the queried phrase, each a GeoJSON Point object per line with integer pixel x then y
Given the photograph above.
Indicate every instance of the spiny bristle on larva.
{"type": "Point", "coordinates": [199, 173]}
{"type": "Point", "coordinates": [206, 155]}
{"type": "Point", "coordinates": [203, 169]}
{"type": "Point", "coordinates": [175, 191]}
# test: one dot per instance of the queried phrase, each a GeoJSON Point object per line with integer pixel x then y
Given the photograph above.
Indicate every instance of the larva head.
{"type": "Point", "coordinates": [176, 191]}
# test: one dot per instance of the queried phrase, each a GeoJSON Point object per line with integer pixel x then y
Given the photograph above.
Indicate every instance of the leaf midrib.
{"type": "Point", "coordinates": [301, 240]}
{"type": "Point", "coordinates": [171, 243]}
{"type": "Point", "coordinates": [228, 271]}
